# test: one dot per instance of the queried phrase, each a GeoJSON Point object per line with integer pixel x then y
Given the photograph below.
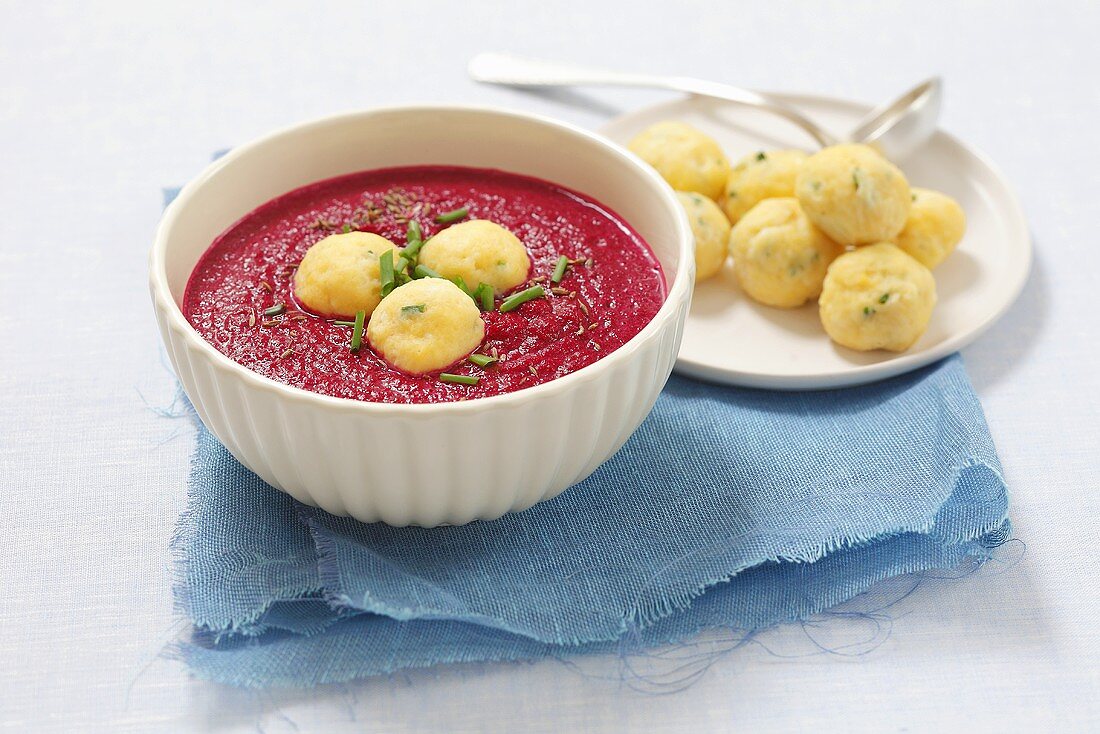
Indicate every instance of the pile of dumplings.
{"type": "Point", "coordinates": [842, 226]}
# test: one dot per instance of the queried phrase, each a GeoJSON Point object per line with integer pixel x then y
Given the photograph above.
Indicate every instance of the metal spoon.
{"type": "Point", "coordinates": [897, 128]}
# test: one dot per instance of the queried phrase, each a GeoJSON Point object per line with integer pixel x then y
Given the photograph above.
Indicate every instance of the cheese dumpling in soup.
{"type": "Point", "coordinates": [425, 325]}
{"type": "Point", "coordinates": [478, 251]}
{"type": "Point", "coordinates": [339, 274]}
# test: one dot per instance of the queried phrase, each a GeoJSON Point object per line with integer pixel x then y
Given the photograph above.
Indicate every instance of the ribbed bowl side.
{"type": "Point", "coordinates": [426, 469]}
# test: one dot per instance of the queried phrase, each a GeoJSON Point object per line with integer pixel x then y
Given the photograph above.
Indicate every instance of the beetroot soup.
{"type": "Point", "coordinates": [589, 284]}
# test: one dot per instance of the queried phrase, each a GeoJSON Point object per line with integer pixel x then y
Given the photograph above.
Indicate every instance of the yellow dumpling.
{"type": "Point", "coordinates": [687, 158]}
{"type": "Point", "coordinates": [339, 275]}
{"type": "Point", "coordinates": [853, 194]}
{"type": "Point", "coordinates": [935, 226]}
{"type": "Point", "coordinates": [877, 297]}
{"type": "Point", "coordinates": [711, 230]}
{"type": "Point", "coordinates": [425, 325]}
{"type": "Point", "coordinates": [779, 256]}
{"type": "Point", "coordinates": [478, 251]}
{"type": "Point", "coordinates": [760, 176]}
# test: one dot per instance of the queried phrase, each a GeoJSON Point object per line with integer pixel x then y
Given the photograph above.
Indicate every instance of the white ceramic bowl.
{"type": "Point", "coordinates": [474, 459]}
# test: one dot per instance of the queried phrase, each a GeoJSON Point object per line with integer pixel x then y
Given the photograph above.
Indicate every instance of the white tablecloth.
{"type": "Point", "coordinates": [101, 106]}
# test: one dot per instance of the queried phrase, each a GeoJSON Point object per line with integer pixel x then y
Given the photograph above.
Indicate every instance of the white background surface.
{"type": "Point", "coordinates": [100, 107]}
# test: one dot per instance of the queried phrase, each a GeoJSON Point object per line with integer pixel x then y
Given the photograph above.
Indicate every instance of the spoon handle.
{"type": "Point", "coordinates": [523, 72]}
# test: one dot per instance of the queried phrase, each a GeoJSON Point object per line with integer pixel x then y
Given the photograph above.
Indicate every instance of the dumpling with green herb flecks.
{"type": "Point", "coordinates": [779, 256]}
{"type": "Point", "coordinates": [935, 225]}
{"type": "Point", "coordinates": [853, 194]}
{"type": "Point", "coordinates": [877, 297]}
{"type": "Point", "coordinates": [711, 230]}
{"type": "Point", "coordinates": [339, 274]}
{"type": "Point", "coordinates": [758, 176]}
{"type": "Point", "coordinates": [425, 325]}
{"type": "Point", "coordinates": [478, 251]}
{"type": "Point", "coordinates": [689, 159]}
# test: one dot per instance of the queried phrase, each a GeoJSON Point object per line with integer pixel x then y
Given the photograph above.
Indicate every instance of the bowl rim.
{"type": "Point", "coordinates": [679, 290]}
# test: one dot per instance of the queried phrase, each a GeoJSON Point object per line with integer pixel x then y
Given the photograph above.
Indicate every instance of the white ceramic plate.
{"type": "Point", "coordinates": [730, 338]}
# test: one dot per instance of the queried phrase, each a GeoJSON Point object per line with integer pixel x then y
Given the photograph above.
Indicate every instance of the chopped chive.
{"type": "Point", "coordinates": [884, 298]}
{"type": "Point", "coordinates": [482, 360]}
{"type": "Point", "coordinates": [277, 310]}
{"type": "Point", "coordinates": [413, 233]}
{"type": "Point", "coordinates": [401, 264]}
{"type": "Point", "coordinates": [413, 249]}
{"type": "Point", "coordinates": [345, 229]}
{"type": "Point", "coordinates": [514, 301]}
{"type": "Point", "coordinates": [413, 308]}
{"type": "Point", "coordinates": [423, 271]}
{"type": "Point", "coordinates": [357, 333]}
{"type": "Point", "coordinates": [385, 272]}
{"type": "Point", "coordinates": [402, 277]}
{"type": "Point", "coordinates": [343, 323]}
{"type": "Point", "coordinates": [461, 283]}
{"type": "Point", "coordinates": [559, 269]}
{"type": "Point", "coordinates": [460, 379]}
{"type": "Point", "coordinates": [484, 293]}
{"type": "Point", "coordinates": [452, 216]}
{"type": "Point", "coordinates": [761, 156]}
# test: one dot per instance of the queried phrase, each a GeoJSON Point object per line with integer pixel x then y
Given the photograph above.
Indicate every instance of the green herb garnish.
{"type": "Point", "coordinates": [867, 310]}
{"type": "Point", "coordinates": [460, 379]}
{"type": "Point", "coordinates": [452, 216]}
{"type": "Point", "coordinates": [515, 300]}
{"type": "Point", "coordinates": [423, 271]}
{"type": "Point", "coordinates": [357, 332]}
{"type": "Point", "coordinates": [484, 293]}
{"type": "Point", "coordinates": [559, 269]}
{"type": "Point", "coordinates": [413, 233]}
{"type": "Point", "coordinates": [343, 323]}
{"type": "Point", "coordinates": [761, 156]}
{"type": "Point", "coordinates": [413, 308]}
{"type": "Point", "coordinates": [461, 283]}
{"type": "Point", "coordinates": [482, 360]}
{"type": "Point", "coordinates": [345, 229]}
{"type": "Point", "coordinates": [385, 272]}
{"type": "Point", "coordinates": [277, 310]}
{"type": "Point", "coordinates": [884, 298]}
{"type": "Point", "coordinates": [413, 249]}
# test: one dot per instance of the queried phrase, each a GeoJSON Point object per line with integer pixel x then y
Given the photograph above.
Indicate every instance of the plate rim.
{"type": "Point", "coordinates": [867, 373]}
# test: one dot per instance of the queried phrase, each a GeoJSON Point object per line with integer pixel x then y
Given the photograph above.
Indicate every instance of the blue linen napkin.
{"type": "Point", "coordinates": [729, 508]}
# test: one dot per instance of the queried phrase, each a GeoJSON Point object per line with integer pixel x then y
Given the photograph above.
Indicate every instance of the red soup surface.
{"type": "Point", "coordinates": [610, 291]}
